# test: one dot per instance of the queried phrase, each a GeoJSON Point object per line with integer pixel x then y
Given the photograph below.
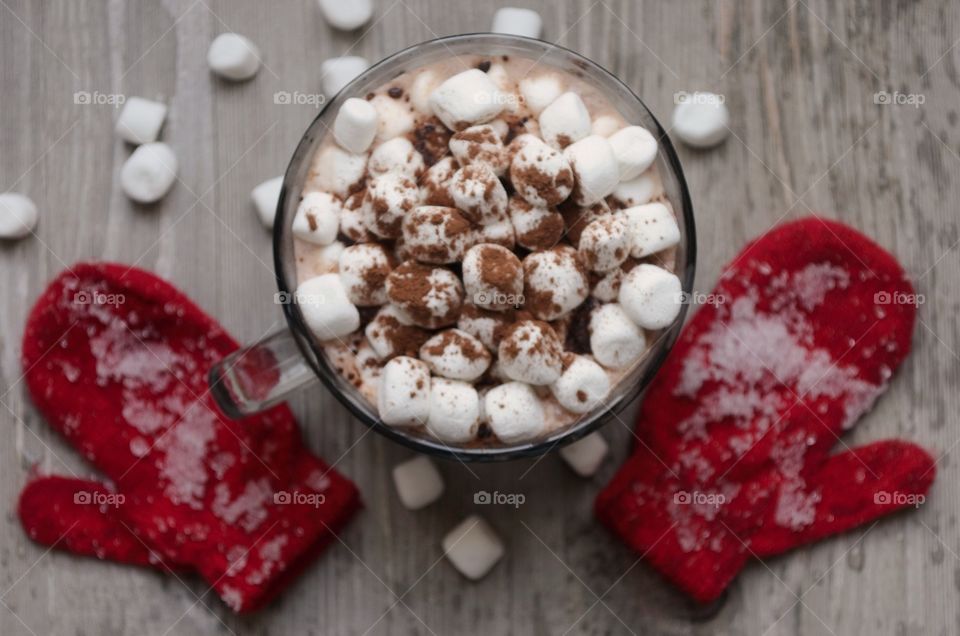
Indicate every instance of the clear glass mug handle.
{"type": "Point", "coordinates": [259, 376]}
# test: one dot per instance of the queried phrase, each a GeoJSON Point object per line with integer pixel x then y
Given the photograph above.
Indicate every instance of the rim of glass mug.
{"type": "Point", "coordinates": [310, 350]}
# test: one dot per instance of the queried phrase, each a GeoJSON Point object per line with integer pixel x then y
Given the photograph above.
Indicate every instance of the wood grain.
{"type": "Point", "coordinates": [799, 78]}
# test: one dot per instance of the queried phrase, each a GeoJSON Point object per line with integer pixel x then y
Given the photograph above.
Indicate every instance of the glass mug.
{"type": "Point", "coordinates": [266, 373]}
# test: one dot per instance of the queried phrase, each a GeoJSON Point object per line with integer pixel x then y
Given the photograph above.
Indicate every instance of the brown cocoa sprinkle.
{"type": "Point", "coordinates": [564, 140]}
{"type": "Point", "coordinates": [395, 92]}
{"type": "Point", "coordinates": [409, 286]}
{"type": "Point", "coordinates": [500, 268]}
{"type": "Point", "coordinates": [312, 221]}
{"type": "Point", "coordinates": [578, 333]}
{"type": "Point", "coordinates": [405, 340]}
{"type": "Point", "coordinates": [370, 96]}
{"type": "Point", "coordinates": [470, 348]}
{"type": "Point", "coordinates": [432, 140]}
{"type": "Point", "coordinates": [581, 396]}
{"type": "Point", "coordinates": [484, 66]}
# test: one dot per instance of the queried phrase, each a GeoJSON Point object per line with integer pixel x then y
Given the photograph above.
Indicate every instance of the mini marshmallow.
{"type": "Point", "coordinates": [653, 228]}
{"type": "Point", "coordinates": [702, 121]}
{"type": "Point", "coordinates": [266, 198]}
{"type": "Point", "coordinates": [540, 91]}
{"type": "Point", "coordinates": [576, 218]}
{"type": "Point", "coordinates": [635, 149]}
{"type": "Point", "coordinates": [514, 412]}
{"type": "Point", "coordinates": [486, 326]}
{"type": "Point", "coordinates": [607, 288]}
{"type": "Point", "coordinates": [418, 482]}
{"type": "Point", "coordinates": [233, 57]}
{"type": "Point", "coordinates": [465, 99]}
{"type": "Point", "coordinates": [615, 340]}
{"type": "Point", "coordinates": [368, 366]}
{"type": "Point", "coordinates": [364, 268]}
{"type": "Point", "coordinates": [394, 117]}
{"type": "Point", "coordinates": [140, 120]}
{"type": "Point", "coordinates": [651, 296]}
{"type": "Point", "coordinates": [351, 219]}
{"type": "Point", "coordinates": [555, 282]}
{"type": "Point", "coordinates": [403, 398]}
{"type": "Point", "coordinates": [429, 297]}
{"type": "Point", "coordinates": [480, 144]}
{"type": "Point", "coordinates": [456, 355]}
{"type": "Point", "coordinates": [582, 386]}
{"type": "Point", "coordinates": [436, 234]}
{"type": "Point", "coordinates": [536, 227]}
{"type": "Point", "coordinates": [397, 155]}
{"type": "Point", "coordinates": [389, 198]}
{"type": "Point", "coordinates": [338, 171]}
{"type": "Point", "coordinates": [531, 352]}
{"type": "Point", "coordinates": [454, 411]}
{"type": "Point", "coordinates": [595, 169]}
{"type": "Point", "coordinates": [643, 189]}
{"type": "Point", "coordinates": [478, 193]}
{"type": "Point", "coordinates": [565, 121]}
{"type": "Point", "coordinates": [337, 72]}
{"type": "Point", "coordinates": [391, 334]}
{"type": "Point", "coordinates": [605, 243]}
{"type": "Point", "coordinates": [346, 16]}
{"type": "Point", "coordinates": [149, 173]}
{"type": "Point", "coordinates": [585, 455]}
{"type": "Point", "coordinates": [325, 307]}
{"type": "Point", "coordinates": [493, 277]}
{"type": "Point", "coordinates": [320, 259]}
{"type": "Point", "coordinates": [435, 182]}
{"type": "Point", "coordinates": [513, 21]}
{"type": "Point", "coordinates": [500, 233]}
{"type": "Point", "coordinates": [605, 125]}
{"type": "Point", "coordinates": [318, 218]}
{"type": "Point", "coordinates": [18, 216]}
{"type": "Point", "coordinates": [355, 125]}
{"type": "Point", "coordinates": [420, 89]}
{"type": "Point", "coordinates": [473, 547]}
{"type": "Point", "coordinates": [539, 173]}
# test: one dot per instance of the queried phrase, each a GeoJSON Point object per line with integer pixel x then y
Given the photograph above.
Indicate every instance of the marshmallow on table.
{"type": "Point", "coordinates": [531, 352]}
{"type": "Point", "coordinates": [539, 173]}
{"type": "Point", "coordinates": [536, 227]}
{"type": "Point", "coordinates": [653, 228]}
{"type": "Point", "coordinates": [615, 340]}
{"type": "Point", "coordinates": [403, 397]}
{"type": "Point", "coordinates": [635, 149]}
{"type": "Point", "coordinates": [478, 193]}
{"type": "Point", "coordinates": [582, 386]}
{"type": "Point", "coordinates": [480, 144]}
{"type": "Point", "coordinates": [389, 198]}
{"type": "Point", "coordinates": [643, 189]}
{"type": "Point", "coordinates": [418, 482]}
{"type": "Point", "coordinates": [555, 282]}
{"type": "Point", "coordinates": [337, 72]}
{"type": "Point", "coordinates": [351, 219]}
{"type": "Point", "coordinates": [233, 57]}
{"type": "Point", "coordinates": [595, 169]}
{"type": "Point", "coordinates": [493, 277]}
{"type": "Point", "coordinates": [364, 268]}
{"type": "Point", "coordinates": [514, 412]}
{"type": "Point", "coordinates": [141, 120]}
{"type": "Point", "coordinates": [473, 547]}
{"type": "Point", "coordinates": [394, 117]}
{"type": "Point", "coordinates": [585, 455]}
{"type": "Point", "coordinates": [605, 125]}
{"type": "Point", "coordinates": [317, 219]}
{"type": "Point", "coordinates": [149, 172]}
{"type": "Point", "coordinates": [605, 243]}
{"type": "Point", "coordinates": [486, 326]}
{"type": "Point", "coordinates": [397, 155]}
{"type": "Point", "coordinates": [436, 234]}
{"type": "Point", "coordinates": [513, 21]}
{"type": "Point", "coordinates": [540, 91]}
{"type": "Point", "coordinates": [651, 296]}
{"type": "Point", "coordinates": [429, 297]}
{"type": "Point", "coordinates": [454, 410]}
{"type": "Point", "coordinates": [390, 334]}
{"type": "Point", "coordinates": [565, 121]}
{"type": "Point", "coordinates": [355, 125]}
{"type": "Point", "coordinates": [346, 15]}
{"type": "Point", "coordinates": [18, 216]}
{"type": "Point", "coordinates": [436, 182]}
{"type": "Point", "coordinates": [701, 121]}
{"type": "Point", "coordinates": [456, 355]}
{"type": "Point", "coordinates": [325, 307]}
{"type": "Point", "coordinates": [266, 198]}
{"type": "Point", "coordinates": [466, 99]}
{"type": "Point", "coordinates": [338, 171]}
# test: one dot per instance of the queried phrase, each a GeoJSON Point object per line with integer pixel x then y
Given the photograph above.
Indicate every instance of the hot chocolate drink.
{"type": "Point", "coordinates": [485, 250]}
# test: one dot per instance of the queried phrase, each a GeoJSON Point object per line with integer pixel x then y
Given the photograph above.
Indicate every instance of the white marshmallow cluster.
{"type": "Point", "coordinates": [582, 386]}
{"type": "Point", "coordinates": [318, 218]}
{"type": "Point", "coordinates": [466, 99]}
{"type": "Point", "coordinates": [363, 270]}
{"type": "Point", "coordinates": [456, 355]}
{"type": "Point", "coordinates": [403, 398]}
{"type": "Point", "coordinates": [531, 352]}
{"type": "Point", "coordinates": [326, 308]}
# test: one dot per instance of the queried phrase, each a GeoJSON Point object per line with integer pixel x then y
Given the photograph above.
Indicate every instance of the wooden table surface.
{"type": "Point", "coordinates": [800, 79]}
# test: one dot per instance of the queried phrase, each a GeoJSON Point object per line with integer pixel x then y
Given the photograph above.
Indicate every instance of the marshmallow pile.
{"type": "Point", "coordinates": [498, 250]}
